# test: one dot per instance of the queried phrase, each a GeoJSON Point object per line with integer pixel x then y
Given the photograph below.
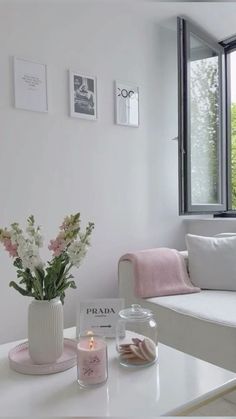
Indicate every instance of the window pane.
{"type": "Point", "coordinates": [204, 123]}
{"type": "Point", "coordinates": [233, 126]}
{"type": "Point", "coordinates": [202, 148]}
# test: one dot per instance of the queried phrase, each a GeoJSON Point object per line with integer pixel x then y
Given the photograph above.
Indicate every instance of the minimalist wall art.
{"type": "Point", "coordinates": [83, 96]}
{"type": "Point", "coordinates": [99, 315]}
{"type": "Point", "coordinates": [30, 85]}
{"type": "Point", "coordinates": [127, 104]}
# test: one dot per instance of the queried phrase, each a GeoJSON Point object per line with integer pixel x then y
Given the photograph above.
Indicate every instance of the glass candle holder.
{"type": "Point", "coordinates": [92, 366]}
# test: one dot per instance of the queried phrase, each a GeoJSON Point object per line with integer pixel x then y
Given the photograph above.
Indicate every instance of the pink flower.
{"type": "Point", "coordinates": [11, 248]}
{"type": "Point", "coordinates": [57, 246]}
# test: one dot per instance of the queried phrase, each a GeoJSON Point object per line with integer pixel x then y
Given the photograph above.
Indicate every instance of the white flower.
{"type": "Point", "coordinates": [14, 236]}
{"type": "Point", "coordinates": [35, 235]}
{"type": "Point", "coordinates": [38, 238]}
{"type": "Point", "coordinates": [76, 252]}
{"type": "Point", "coordinates": [29, 254]}
{"type": "Point", "coordinates": [30, 229]}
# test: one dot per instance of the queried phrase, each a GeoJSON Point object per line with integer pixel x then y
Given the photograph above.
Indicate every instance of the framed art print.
{"type": "Point", "coordinates": [127, 104]}
{"type": "Point", "coordinates": [30, 85]}
{"type": "Point", "coordinates": [83, 96]}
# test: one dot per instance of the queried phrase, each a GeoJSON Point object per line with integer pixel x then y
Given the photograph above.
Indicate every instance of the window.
{"type": "Point", "coordinates": [205, 178]}
{"type": "Point", "coordinates": [232, 126]}
{"type": "Point", "coordinates": [230, 50]}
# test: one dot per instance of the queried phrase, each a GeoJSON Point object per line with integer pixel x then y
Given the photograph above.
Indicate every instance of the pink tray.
{"type": "Point", "coordinates": [20, 360]}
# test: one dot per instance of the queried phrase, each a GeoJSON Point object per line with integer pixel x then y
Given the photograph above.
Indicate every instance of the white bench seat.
{"type": "Point", "coordinates": [201, 324]}
{"type": "Point", "coordinates": [213, 306]}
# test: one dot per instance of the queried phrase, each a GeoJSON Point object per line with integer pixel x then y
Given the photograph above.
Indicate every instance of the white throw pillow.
{"type": "Point", "coordinates": [212, 262]}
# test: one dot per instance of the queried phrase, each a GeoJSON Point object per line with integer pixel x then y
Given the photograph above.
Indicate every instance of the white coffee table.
{"type": "Point", "coordinates": [172, 386]}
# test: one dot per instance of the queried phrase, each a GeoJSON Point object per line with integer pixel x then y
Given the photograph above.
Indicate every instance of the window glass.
{"type": "Point", "coordinates": [202, 147]}
{"type": "Point", "coordinates": [204, 123]}
{"type": "Point", "coordinates": [233, 125]}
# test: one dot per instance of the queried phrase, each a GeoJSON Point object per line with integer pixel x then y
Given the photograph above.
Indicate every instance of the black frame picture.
{"type": "Point", "coordinates": [83, 96]}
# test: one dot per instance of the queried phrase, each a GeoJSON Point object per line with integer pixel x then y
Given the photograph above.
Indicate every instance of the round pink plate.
{"type": "Point", "coordinates": [20, 360]}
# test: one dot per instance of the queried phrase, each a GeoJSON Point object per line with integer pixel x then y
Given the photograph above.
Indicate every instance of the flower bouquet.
{"type": "Point", "coordinates": [46, 283]}
{"type": "Point", "coordinates": [37, 280]}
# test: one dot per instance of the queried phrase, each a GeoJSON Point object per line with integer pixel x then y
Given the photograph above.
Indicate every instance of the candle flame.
{"type": "Point", "coordinates": [91, 343]}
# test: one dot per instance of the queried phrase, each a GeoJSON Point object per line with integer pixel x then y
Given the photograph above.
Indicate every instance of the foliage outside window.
{"type": "Point", "coordinates": [204, 130]}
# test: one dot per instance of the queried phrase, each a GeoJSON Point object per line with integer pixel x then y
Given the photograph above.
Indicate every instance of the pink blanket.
{"type": "Point", "coordinates": [160, 272]}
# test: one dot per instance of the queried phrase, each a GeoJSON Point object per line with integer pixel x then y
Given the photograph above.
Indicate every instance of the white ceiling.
{"type": "Point", "coordinates": [216, 18]}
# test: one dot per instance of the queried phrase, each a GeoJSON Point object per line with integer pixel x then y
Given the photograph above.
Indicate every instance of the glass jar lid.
{"type": "Point", "coordinates": [135, 312]}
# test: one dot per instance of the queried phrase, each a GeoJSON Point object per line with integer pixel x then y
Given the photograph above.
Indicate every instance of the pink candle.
{"type": "Point", "coordinates": [91, 360]}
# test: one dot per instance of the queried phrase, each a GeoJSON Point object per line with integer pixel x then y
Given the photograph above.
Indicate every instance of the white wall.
{"type": "Point", "coordinates": [123, 179]}
{"type": "Point", "coordinates": [210, 226]}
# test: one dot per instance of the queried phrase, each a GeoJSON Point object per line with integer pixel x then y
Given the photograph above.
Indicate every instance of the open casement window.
{"type": "Point", "coordinates": [202, 143]}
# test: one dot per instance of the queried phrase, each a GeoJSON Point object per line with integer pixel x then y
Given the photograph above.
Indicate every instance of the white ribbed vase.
{"type": "Point", "coordinates": [45, 330]}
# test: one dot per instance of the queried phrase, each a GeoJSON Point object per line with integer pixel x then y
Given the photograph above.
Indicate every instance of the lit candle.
{"type": "Point", "coordinates": [91, 360]}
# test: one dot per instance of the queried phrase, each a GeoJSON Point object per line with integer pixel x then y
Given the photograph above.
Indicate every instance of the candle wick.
{"type": "Point", "coordinates": [91, 343]}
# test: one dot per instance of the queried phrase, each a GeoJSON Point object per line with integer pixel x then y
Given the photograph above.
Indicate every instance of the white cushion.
{"type": "Point", "coordinates": [213, 306]}
{"type": "Point", "coordinates": [212, 262]}
{"type": "Point", "coordinates": [201, 324]}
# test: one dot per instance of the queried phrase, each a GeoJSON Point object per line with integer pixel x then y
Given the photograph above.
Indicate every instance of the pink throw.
{"type": "Point", "coordinates": [160, 272]}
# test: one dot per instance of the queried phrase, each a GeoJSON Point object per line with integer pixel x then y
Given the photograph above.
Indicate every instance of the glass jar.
{"type": "Point", "coordinates": [136, 337]}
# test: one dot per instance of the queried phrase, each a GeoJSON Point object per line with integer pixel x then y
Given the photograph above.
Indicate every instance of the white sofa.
{"type": "Point", "coordinates": [200, 324]}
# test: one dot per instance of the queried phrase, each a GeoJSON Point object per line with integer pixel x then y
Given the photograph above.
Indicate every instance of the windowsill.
{"type": "Point", "coordinates": [211, 219]}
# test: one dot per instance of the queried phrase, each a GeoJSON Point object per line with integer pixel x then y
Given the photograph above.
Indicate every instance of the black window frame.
{"type": "Point", "coordinates": [229, 46]}
{"type": "Point", "coordinates": [186, 28]}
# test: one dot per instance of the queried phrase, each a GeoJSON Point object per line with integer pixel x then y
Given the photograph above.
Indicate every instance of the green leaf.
{"type": "Point", "coordinates": [20, 290]}
{"type": "Point", "coordinates": [37, 288]}
{"type": "Point", "coordinates": [18, 263]}
{"type": "Point", "coordinates": [62, 297]}
{"type": "Point", "coordinates": [30, 220]}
